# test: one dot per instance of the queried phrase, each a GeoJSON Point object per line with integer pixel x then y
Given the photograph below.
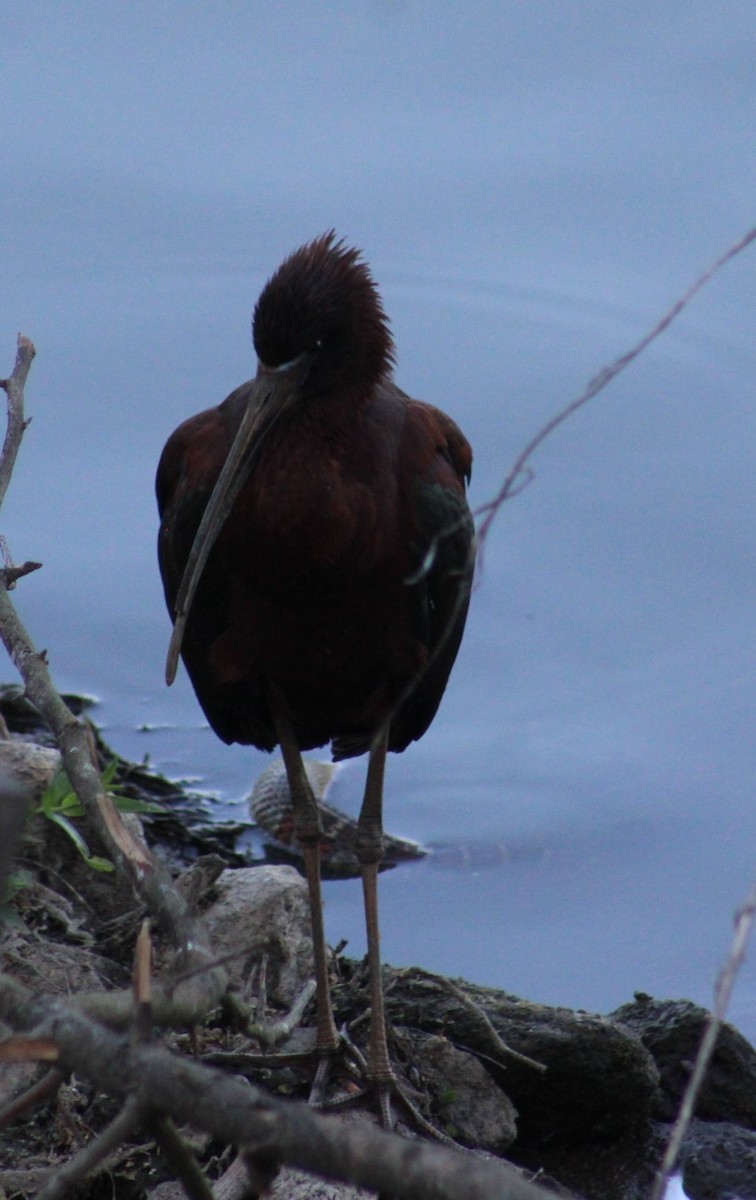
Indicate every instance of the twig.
{"type": "Point", "coordinates": [175, 1150]}
{"type": "Point", "coordinates": [744, 920]}
{"type": "Point", "coordinates": [521, 474]}
{"type": "Point", "coordinates": [269, 1033]}
{"type": "Point", "coordinates": [277, 1131]}
{"type": "Point", "coordinates": [14, 388]}
{"type": "Point", "coordinates": [180, 1159]}
{"type": "Point", "coordinates": [148, 876]}
{"type": "Point", "coordinates": [65, 1178]}
{"type": "Point", "coordinates": [11, 573]}
{"type": "Point", "coordinates": [39, 1091]}
{"type": "Point", "coordinates": [236, 1184]}
{"type": "Point", "coordinates": [481, 1016]}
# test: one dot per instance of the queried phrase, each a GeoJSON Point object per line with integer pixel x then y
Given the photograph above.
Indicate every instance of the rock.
{"type": "Point", "coordinates": [466, 1104]}
{"type": "Point", "coordinates": [719, 1162]}
{"type": "Point", "coordinates": [29, 766]}
{"type": "Point", "coordinates": [672, 1030]}
{"type": "Point", "coordinates": [263, 911]}
{"type": "Point", "coordinates": [577, 1098]}
{"type": "Point", "coordinates": [44, 964]}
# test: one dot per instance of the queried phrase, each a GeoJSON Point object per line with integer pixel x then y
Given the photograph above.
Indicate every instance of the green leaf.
{"type": "Point", "coordinates": [71, 806]}
{"type": "Point", "coordinates": [100, 864]}
{"type": "Point", "coordinates": [72, 832]}
{"type": "Point", "coordinates": [59, 788]}
{"type": "Point", "coordinates": [16, 882]}
{"type": "Point", "coordinates": [60, 803]}
{"type": "Point", "coordinates": [109, 774]}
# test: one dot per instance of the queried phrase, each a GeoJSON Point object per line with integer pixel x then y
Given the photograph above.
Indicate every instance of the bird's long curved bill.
{"type": "Point", "coordinates": [270, 397]}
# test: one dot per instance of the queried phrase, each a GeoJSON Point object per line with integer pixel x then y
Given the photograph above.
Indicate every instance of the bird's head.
{"type": "Point", "coordinates": [319, 329]}
{"type": "Point", "coordinates": [322, 309]}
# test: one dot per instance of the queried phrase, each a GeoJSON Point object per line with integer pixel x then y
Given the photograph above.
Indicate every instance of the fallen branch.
{"type": "Point", "coordinates": [156, 1081]}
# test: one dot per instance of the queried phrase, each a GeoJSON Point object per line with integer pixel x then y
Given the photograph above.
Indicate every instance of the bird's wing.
{"type": "Point", "coordinates": [444, 551]}
{"type": "Point", "coordinates": [435, 462]}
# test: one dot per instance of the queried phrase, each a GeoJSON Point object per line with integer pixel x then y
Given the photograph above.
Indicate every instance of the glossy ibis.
{"type": "Point", "coordinates": [316, 550]}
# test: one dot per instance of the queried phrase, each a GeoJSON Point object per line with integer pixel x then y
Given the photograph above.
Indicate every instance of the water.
{"type": "Point", "coordinates": [533, 188]}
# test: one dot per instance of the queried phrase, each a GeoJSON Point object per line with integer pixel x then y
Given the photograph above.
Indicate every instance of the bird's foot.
{"type": "Point", "coordinates": [386, 1095]}
{"type": "Point", "coordinates": [322, 1078]}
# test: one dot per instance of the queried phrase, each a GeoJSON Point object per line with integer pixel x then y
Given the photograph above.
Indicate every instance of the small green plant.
{"type": "Point", "coordinates": [16, 882]}
{"type": "Point", "coordinates": [61, 805]}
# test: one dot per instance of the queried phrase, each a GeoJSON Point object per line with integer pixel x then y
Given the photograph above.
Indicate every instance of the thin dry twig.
{"type": "Point", "coordinates": [269, 1033]}
{"type": "Point", "coordinates": [498, 1044]}
{"type": "Point", "coordinates": [149, 877]}
{"type": "Point", "coordinates": [520, 473]}
{"type": "Point", "coordinates": [238, 1181]}
{"type": "Point", "coordinates": [66, 1178]}
{"type": "Point", "coordinates": [14, 388]}
{"type": "Point", "coordinates": [180, 1158]}
{"type": "Point", "coordinates": [744, 920]}
{"type": "Point", "coordinates": [40, 1091]}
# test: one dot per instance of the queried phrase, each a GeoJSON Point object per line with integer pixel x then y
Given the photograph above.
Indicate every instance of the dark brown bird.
{"type": "Point", "coordinates": [316, 550]}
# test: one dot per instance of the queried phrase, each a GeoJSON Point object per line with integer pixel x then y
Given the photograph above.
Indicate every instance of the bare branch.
{"type": "Point", "coordinates": [42, 1090]}
{"type": "Point", "coordinates": [180, 1158]}
{"type": "Point", "coordinates": [500, 1046]}
{"type": "Point", "coordinates": [14, 387]}
{"type": "Point", "coordinates": [148, 876]}
{"type": "Point", "coordinates": [237, 1112]}
{"type": "Point", "coordinates": [65, 1178]}
{"type": "Point", "coordinates": [744, 920]}
{"type": "Point", "coordinates": [11, 572]}
{"type": "Point", "coordinates": [520, 473]}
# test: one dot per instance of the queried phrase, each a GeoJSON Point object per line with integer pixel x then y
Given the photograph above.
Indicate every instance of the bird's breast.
{"type": "Point", "coordinates": [309, 511]}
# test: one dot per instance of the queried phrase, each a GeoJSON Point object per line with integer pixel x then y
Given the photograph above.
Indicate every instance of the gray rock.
{"type": "Point", "coordinates": [600, 1080]}
{"type": "Point", "coordinates": [719, 1162]}
{"type": "Point", "coordinates": [672, 1030]}
{"type": "Point", "coordinates": [466, 1102]}
{"type": "Point", "coordinates": [263, 911]}
{"type": "Point", "coordinates": [29, 766]}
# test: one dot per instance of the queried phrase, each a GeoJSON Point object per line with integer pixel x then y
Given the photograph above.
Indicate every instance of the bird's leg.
{"type": "Point", "coordinates": [308, 829]}
{"type": "Point", "coordinates": [369, 850]}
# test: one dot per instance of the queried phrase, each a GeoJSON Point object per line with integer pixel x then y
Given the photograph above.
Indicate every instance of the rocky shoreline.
{"type": "Point", "coordinates": [592, 1124]}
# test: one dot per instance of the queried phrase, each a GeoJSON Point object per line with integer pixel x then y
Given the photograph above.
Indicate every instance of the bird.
{"type": "Point", "coordinates": [317, 551]}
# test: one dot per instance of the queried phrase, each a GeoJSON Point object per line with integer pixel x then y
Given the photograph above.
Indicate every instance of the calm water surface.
{"type": "Point", "coordinates": [532, 189]}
